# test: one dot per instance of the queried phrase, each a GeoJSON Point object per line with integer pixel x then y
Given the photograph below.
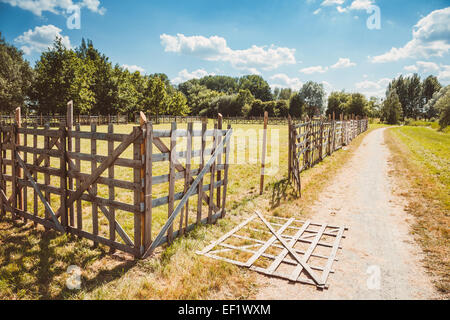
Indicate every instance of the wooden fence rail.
{"type": "Point", "coordinates": [110, 187]}
{"type": "Point", "coordinates": [311, 141]}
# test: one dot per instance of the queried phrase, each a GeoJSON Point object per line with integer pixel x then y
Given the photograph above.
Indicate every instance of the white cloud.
{"type": "Point", "coordinates": [133, 68]}
{"type": "Point", "coordinates": [284, 81]}
{"type": "Point", "coordinates": [314, 69]}
{"type": "Point", "coordinates": [343, 63]}
{"type": "Point", "coordinates": [185, 75]}
{"type": "Point", "coordinates": [40, 39]}
{"type": "Point", "coordinates": [332, 2]}
{"type": "Point", "coordinates": [361, 4]}
{"type": "Point", "coordinates": [373, 88]}
{"type": "Point", "coordinates": [444, 73]}
{"type": "Point", "coordinates": [215, 48]}
{"type": "Point", "coordinates": [54, 6]}
{"type": "Point", "coordinates": [341, 9]}
{"type": "Point", "coordinates": [427, 67]}
{"type": "Point", "coordinates": [317, 11]}
{"type": "Point", "coordinates": [431, 37]}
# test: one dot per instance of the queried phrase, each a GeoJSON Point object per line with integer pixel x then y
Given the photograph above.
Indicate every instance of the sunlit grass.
{"type": "Point", "coordinates": [421, 158]}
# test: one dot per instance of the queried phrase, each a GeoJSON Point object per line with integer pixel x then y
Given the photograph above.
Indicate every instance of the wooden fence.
{"type": "Point", "coordinates": [311, 141]}
{"type": "Point", "coordinates": [256, 120]}
{"type": "Point", "coordinates": [117, 189]}
{"type": "Point", "coordinates": [58, 120]}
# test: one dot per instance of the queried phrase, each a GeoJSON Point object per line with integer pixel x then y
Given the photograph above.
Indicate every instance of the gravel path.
{"type": "Point", "coordinates": [361, 198]}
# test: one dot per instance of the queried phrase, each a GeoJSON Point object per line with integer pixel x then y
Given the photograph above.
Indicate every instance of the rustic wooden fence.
{"type": "Point", "coordinates": [110, 187]}
{"type": "Point", "coordinates": [311, 141]}
{"type": "Point", "coordinates": [58, 120]}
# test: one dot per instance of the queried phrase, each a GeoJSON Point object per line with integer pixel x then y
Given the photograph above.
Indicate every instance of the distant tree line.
{"type": "Point", "coordinates": [96, 86]}
{"type": "Point", "coordinates": [412, 98]}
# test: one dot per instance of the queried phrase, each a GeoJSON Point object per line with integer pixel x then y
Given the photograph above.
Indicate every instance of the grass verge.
{"type": "Point", "coordinates": [421, 158]}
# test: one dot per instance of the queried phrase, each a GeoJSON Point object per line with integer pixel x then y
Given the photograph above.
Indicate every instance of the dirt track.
{"type": "Point", "coordinates": [361, 197]}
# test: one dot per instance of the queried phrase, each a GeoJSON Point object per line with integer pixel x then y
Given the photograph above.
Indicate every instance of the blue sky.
{"type": "Point", "coordinates": [287, 42]}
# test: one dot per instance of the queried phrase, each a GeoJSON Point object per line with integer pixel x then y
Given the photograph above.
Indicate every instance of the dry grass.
{"type": "Point", "coordinates": [421, 158]}
{"type": "Point", "coordinates": [33, 263]}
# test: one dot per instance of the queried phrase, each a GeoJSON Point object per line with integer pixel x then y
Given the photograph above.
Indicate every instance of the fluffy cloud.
{"type": "Point", "coordinates": [215, 48]}
{"type": "Point", "coordinates": [426, 67]}
{"type": "Point", "coordinates": [284, 81]}
{"type": "Point", "coordinates": [361, 5]}
{"type": "Point", "coordinates": [343, 63]}
{"type": "Point", "coordinates": [54, 6]}
{"type": "Point", "coordinates": [315, 69]}
{"type": "Point", "coordinates": [373, 88]}
{"type": "Point", "coordinates": [133, 68]}
{"type": "Point", "coordinates": [40, 39]}
{"type": "Point", "coordinates": [185, 75]}
{"type": "Point", "coordinates": [431, 37]}
{"type": "Point", "coordinates": [332, 2]}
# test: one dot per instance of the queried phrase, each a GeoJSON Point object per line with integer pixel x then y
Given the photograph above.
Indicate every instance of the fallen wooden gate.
{"type": "Point", "coordinates": [53, 180]}
{"type": "Point", "coordinates": [298, 251]}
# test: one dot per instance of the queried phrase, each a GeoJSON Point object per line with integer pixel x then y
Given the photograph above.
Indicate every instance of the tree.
{"type": "Point", "coordinates": [357, 104]}
{"type": "Point", "coordinates": [337, 103]}
{"type": "Point", "coordinates": [16, 77]}
{"type": "Point", "coordinates": [62, 76]}
{"type": "Point", "coordinates": [374, 108]}
{"type": "Point", "coordinates": [296, 106]}
{"type": "Point", "coordinates": [223, 84]}
{"type": "Point", "coordinates": [177, 105]}
{"type": "Point", "coordinates": [155, 96]}
{"type": "Point", "coordinates": [392, 108]}
{"type": "Point", "coordinates": [443, 106]}
{"type": "Point", "coordinates": [415, 102]}
{"type": "Point", "coordinates": [313, 95]}
{"type": "Point", "coordinates": [431, 86]}
{"type": "Point", "coordinates": [259, 87]}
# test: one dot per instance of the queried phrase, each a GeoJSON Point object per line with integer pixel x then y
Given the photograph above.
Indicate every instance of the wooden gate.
{"type": "Point", "coordinates": [109, 187]}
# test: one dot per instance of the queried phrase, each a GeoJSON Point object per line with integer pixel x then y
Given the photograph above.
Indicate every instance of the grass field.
{"type": "Point", "coordinates": [422, 164]}
{"type": "Point", "coordinates": [33, 263]}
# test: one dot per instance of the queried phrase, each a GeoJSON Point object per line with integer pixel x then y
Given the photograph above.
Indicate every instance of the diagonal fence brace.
{"type": "Point", "coordinates": [188, 194]}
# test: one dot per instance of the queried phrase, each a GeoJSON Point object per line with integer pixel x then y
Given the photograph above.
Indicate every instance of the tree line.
{"type": "Point", "coordinates": [412, 98]}
{"type": "Point", "coordinates": [97, 86]}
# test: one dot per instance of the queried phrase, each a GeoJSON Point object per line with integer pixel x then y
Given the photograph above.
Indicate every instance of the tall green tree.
{"type": "Point", "coordinates": [357, 105]}
{"type": "Point", "coordinates": [62, 76]}
{"type": "Point", "coordinates": [259, 87]}
{"type": "Point", "coordinates": [337, 103]}
{"type": "Point", "coordinates": [431, 86]}
{"type": "Point", "coordinates": [313, 94]}
{"type": "Point", "coordinates": [392, 108]}
{"type": "Point", "coordinates": [296, 106]}
{"type": "Point", "coordinates": [16, 77]}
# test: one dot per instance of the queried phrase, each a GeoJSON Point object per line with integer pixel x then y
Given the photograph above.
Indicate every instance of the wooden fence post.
{"type": "Point", "coordinates": [18, 119]}
{"type": "Point", "coordinates": [263, 157]}
{"type": "Point", "coordinates": [172, 172]}
{"type": "Point", "coordinates": [225, 173]}
{"type": "Point", "coordinates": [290, 147]}
{"type": "Point", "coordinates": [219, 157]}
{"type": "Point", "coordinates": [63, 175]}
{"type": "Point", "coordinates": [69, 149]}
{"type": "Point", "coordinates": [144, 182]}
